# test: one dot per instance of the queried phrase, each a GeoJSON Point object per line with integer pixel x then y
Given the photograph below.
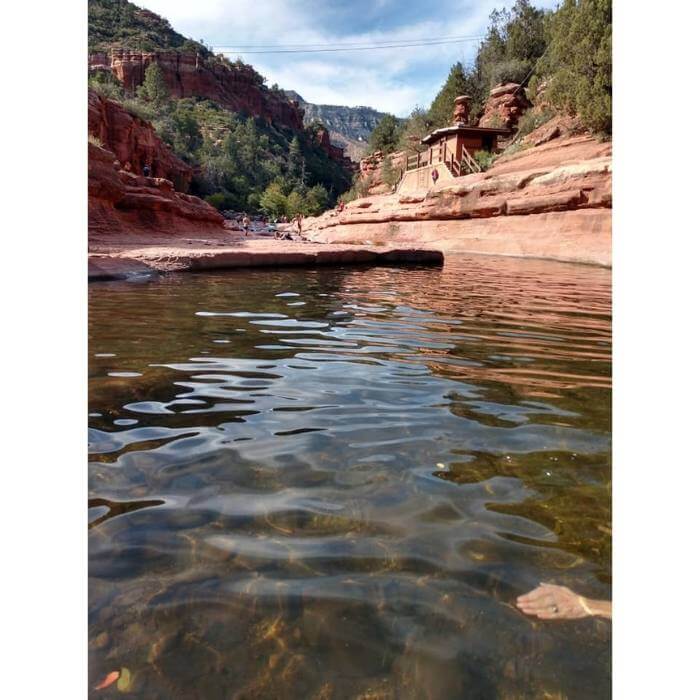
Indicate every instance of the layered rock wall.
{"type": "Point", "coordinates": [504, 106]}
{"type": "Point", "coordinates": [371, 170]}
{"type": "Point", "coordinates": [134, 141]}
{"type": "Point", "coordinates": [122, 203]}
{"type": "Point", "coordinates": [236, 87]}
{"type": "Point", "coordinates": [552, 201]}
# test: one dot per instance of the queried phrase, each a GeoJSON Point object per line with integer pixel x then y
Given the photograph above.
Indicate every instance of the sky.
{"type": "Point", "coordinates": [392, 80]}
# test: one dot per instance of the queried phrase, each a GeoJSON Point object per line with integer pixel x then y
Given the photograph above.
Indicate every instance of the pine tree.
{"type": "Point", "coordinates": [440, 112]}
{"type": "Point", "coordinates": [154, 88]}
{"type": "Point", "coordinates": [295, 160]}
{"type": "Point", "coordinates": [385, 136]}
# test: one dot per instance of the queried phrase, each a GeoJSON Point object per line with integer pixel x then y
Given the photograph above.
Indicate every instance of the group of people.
{"type": "Point", "coordinates": [245, 224]}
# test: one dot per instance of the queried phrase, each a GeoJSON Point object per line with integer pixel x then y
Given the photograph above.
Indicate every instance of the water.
{"type": "Point", "coordinates": [334, 483]}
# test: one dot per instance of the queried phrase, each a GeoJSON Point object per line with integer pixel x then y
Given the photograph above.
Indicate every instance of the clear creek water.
{"type": "Point", "coordinates": [333, 483]}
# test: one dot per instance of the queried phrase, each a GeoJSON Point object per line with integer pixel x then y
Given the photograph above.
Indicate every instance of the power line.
{"type": "Point", "coordinates": [360, 48]}
{"type": "Point", "coordinates": [351, 44]}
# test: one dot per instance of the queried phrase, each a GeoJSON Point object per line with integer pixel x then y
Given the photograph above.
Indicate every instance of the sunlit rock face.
{"type": "Point", "coordinates": [551, 201]}
{"type": "Point", "coordinates": [134, 141]}
{"type": "Point", "coordinates": [237, 87]}
{"type": "Point", "coordinates": [121, 202]}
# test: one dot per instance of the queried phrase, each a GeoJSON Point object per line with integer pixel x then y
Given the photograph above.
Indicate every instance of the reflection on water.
{"type": "Point", "coordinates": [334, 483]}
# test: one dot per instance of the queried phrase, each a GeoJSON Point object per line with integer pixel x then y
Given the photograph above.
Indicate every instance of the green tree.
{"type": "Point", "coordinates": [316, 200]}
{"type": "Point", "coordinates": [154, 89]}
{"type": "Point", "coordinates": [385, 136]}
{"type": "Point", "coordinates": [295, 204]}
{"type": "Point", "coordinates": [295, 161]}
{"type": "Point", "coordinates": [514, 41]}
{"type": "Point", "coordinates": [273, 201]}
{"type": "Point", "coordinates": [440, 112]}
{"type": "Point", "coordinates": [414, 129]}
{"type": "Point", "coordinates": [578, 62]}
{"type": "Point", "coordinates": [390, 174]}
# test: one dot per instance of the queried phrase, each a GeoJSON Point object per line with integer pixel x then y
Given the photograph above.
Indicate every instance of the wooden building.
{"type": "Point", "coordinates": [451, 149]}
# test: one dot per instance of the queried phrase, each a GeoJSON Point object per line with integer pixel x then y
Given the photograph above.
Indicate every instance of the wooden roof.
{"type": "Point", "coordinates": [465, 131]}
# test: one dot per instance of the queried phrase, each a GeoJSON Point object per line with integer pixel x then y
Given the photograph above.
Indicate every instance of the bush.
{"type": "Point", "coordinates": [533, 119]}
{"type": "Point", "coordinates": [578, 63]}
{"type": "Point", "coordinates": [510, 71]}
{"type": "Point", "coordinates": [222, 200]}
{"type": "Point", "coordinates": [385, 136]}
{"type": "Point", "coordinates": [390, 174]}
{"type": "Point", "coordinates": [484, 159]}
{"type": "Point", "coordinates": [138, 109]}
{"type": "Point", "coordinates": [104, 83]}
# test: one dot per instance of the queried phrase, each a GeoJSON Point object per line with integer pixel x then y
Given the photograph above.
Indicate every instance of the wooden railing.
{"type": "Point", "coordinates": [443, 154]}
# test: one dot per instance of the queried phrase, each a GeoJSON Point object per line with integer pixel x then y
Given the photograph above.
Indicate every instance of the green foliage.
{"type": "Point", "coordinates": [390, 174]}
{"type": "Point", "coordinates": [154, 89]}
{"type": "Point", "coordinates": [309, 202]}
{"type": "Point", "coordinates": [578, 63]}
{"type": "Point", "coordinates": [414, 129]}
{"type": "Point", "coordinates": [484, 159]}
{"type": "Point", "coordinates": [385, 136]}
{"type": "Point", "coordinates": [106, 84]}
{"type": "Point", "coordinates": [273, 201]}
{"type": "Point", "coordinates": [118, 23]}
{"type": "Point", "coordinates": [533, 119]}
{"type": "Point", "coordinates": [359, 189]}
{"type": "Point", "coordinates": [139, 109]}
{"type": "Point", "coordinates": [222, 200]}
{"type": "Point", "coordinates": [440, 112]}
{"type": "Point", "coordinates": [514, 42]}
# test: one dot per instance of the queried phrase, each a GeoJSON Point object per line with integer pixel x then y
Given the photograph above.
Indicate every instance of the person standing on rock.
{"type": "Point", "coordinates": [246, 224]}
{"type": "Point", "coordinates": [146, 170]}
{"type": "Point", "coordinates": [435, 175]}
{"type": "Point", "coordinates": [299, 220]}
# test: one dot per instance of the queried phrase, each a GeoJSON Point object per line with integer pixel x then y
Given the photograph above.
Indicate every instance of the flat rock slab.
{"type": "Point", "coordinates": [105, 267]}
{"type": "Point", "coordinates": [122, 263]}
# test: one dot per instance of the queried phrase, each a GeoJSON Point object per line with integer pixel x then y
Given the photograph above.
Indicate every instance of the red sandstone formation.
{"type": "Point", "coordinates": [134, 141]}
{"type": "Point", "coordinates": [237, 87]}
{"type": "Point", "coordinates": [371, 170]}
{"type": "Point", "coordinates": [336, 153]}
{"type": "Point", "coordinates": [549, 201]}
{"type": "Point", "coordinates": [504, 106]}
{"type": "Point", "coordinates": [122, 203]}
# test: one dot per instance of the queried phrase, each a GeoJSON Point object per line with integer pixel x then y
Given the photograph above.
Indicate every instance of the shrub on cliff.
{"type": "Point", "coordinates": [578, 63]}
{"type": "Point", "coordinates": [390, 174]}
{"type": "Point", "coordinates": [440, 112]}
{"type": "Point", "coordinates": [106, 84]}
{"type": "Point", "coordinates": [414, 129]}
{"type": "Point", "coordinates": [154, 89]}
{"type": "Point", "coordinates": [514, 42]}
{"type": "Point", "coordinates": [385, 136]}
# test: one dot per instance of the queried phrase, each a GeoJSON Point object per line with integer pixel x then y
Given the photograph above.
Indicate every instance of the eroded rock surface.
{"type": "Point", "coordinates": [550, 201]}
{"type": "Point", "coordinates": [122, 203]}
{"type": "Point", "coordinates": [235, 86]}
{"type": "Point", "coordinates": [134, 141]}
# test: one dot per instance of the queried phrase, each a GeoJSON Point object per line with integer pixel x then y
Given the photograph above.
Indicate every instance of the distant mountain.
{"type": "Point", "coordinates": [349, 127]}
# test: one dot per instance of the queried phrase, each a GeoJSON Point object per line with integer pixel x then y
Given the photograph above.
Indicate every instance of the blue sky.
{"type": "Point", "coordinates": [393, 80]}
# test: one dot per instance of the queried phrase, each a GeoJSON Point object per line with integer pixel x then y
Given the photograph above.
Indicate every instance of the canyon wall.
{"type": "Point", "coordinates": [237, 87]}
{"type": "Point", "coordinates": [548, 201]}
{"type": "Point", "coordinates": [123, 203]}
{"type": "Point", "coordinates": [134, 142]}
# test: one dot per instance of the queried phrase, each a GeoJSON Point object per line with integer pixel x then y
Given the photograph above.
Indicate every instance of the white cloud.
{"type": "Point", "coordinates": [392, 80]}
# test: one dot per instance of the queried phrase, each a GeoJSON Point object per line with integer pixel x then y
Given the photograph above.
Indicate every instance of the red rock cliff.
{"type": "Point", "coordinates": [134, 141]}
{"type": "Point", "coordinates": [553, 200]}
{"type": "Point", "coordinates": [122, 203]}
{"type": "Point", "coordinates": [236, 87]}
